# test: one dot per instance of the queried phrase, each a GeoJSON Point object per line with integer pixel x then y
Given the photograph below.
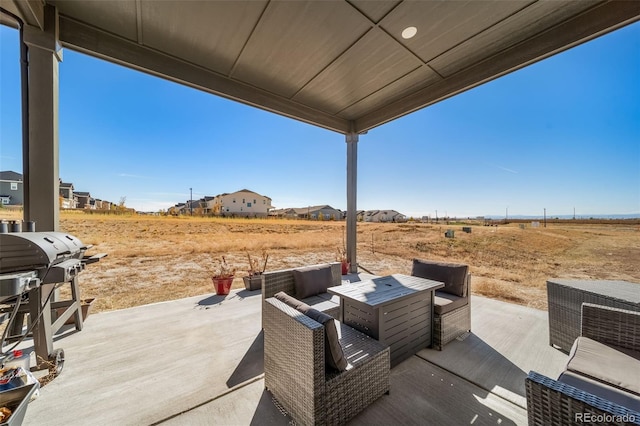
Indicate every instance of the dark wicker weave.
{"type": "Point", "coordinates": [451, 325]}
{"type": "Point", "coordinates": [283, 280]}
{"type": "Point", "coordinates": [295, 372]}
{"type": "Point", "coordinates": [550, 402]}
{"type": "Point", "coordinates": [565, 299]}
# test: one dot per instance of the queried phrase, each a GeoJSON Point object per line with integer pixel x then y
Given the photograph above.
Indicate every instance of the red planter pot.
{"type": "Point", "coordinates": [222, 285]}
{"type": "Point", "coordinates": [345, 268]}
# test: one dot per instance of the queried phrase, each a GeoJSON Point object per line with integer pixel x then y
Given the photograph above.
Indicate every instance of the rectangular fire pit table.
{"type": "Point", "coordinates": [565, 299]}
{"type": "Point", "coordinates": [396, 310]}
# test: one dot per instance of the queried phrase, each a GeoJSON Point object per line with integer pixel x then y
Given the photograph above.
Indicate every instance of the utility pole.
{"type": "Point", "coordinates": [545, 217]}
{"type": "Point", "coordinates": [191, 200]}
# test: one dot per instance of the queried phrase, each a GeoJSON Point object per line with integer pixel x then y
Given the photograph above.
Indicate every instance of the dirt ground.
{"type": "Point", "coordinates": [153, 259]}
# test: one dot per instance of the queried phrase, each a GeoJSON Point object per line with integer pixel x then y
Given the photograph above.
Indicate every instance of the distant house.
{"type": "Point", "coordinates": [383, 216]}
{"type": "Point", "coordinates": [11, 188]}
{"type": "Point", "coordinates": [206, 204]}
{"type": "Point", "coordinates": [68, 199]}
{"type": "Point", "coordinates": [177, 210]}
{"type": "Point", "coordinates": [284, 213]}
{"type": "Point", "coordinates": [323, 212]}
{"type": "Point", "coordinates": [85, 201]}
{"type": "Point", "coordinates": [240, 203]}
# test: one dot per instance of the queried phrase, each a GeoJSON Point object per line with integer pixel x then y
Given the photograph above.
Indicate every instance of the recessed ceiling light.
{"type": "Point", "coordinates": [409, 32]}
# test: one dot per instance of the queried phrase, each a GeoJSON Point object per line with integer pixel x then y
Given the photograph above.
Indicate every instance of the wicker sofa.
{"type": "Point", "coordinates": [296, 372]}
{"type": "Point", "coordinates": [284, 280]}
{"type": "Point", "coordinates": [601, 382]}
{"type": "Point", "coordinates": [452, 303]}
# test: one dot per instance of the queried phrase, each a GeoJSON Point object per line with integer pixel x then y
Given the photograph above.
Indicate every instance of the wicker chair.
{"type": "Point", "coordinates": [448, 323]}
{"type": "Point", "coordinates": [551, 401]}
{"type": "Point", "coordinates": [283, 280]}
{"type": "Point", "coordinates": [296, 375]}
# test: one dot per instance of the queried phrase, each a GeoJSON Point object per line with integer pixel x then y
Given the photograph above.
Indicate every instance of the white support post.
{"type": "Point", "coordinates": [352, 177]}
{"type": "Point", "coordinates": [40, 163]}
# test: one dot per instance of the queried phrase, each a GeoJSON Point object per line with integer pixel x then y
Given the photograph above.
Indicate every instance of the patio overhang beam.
{"type": "Point", "coordinates": [80, 37]}
{"type": "Point", "coordinates": [31, 12]}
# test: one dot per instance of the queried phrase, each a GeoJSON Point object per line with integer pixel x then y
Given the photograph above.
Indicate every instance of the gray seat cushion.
{"type": "Point", "coordinates": [605, 364]}
{"type": "Point", "coordinates": [445, 302]}
{"type": "Point", "coordinates": [600, 389]}
{"type": "Point", "coordinates": [312, 280]}
{"type": "Point", "coordinates": [453, 275]}
{"type": "Point", "coordinates": [333, 353]}
{"type": "Point", "coordinates": [320, 303]}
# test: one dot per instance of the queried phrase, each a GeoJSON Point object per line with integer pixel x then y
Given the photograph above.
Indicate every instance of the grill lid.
{"type": "Point", "coordinates": [21, 251]}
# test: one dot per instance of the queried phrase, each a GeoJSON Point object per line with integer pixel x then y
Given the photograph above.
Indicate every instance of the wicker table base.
{"type": "Point", "coordinates": [565, 298]}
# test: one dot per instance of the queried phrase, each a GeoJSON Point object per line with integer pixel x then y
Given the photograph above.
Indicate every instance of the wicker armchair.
{"type": "Point", "coordinates": [452, 312]}
{"type": "Point", "coordinates": [553, 402]}
{"type": "Point", "coordinates": [296, 375]}
{"type": "Point", "coordinates": [283, 280]}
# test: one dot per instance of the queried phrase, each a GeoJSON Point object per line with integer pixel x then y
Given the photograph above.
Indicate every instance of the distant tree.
{"type": "Point", "coordinates": [121, 204]}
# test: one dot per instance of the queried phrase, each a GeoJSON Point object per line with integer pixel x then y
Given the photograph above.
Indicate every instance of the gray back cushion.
{"type": "Point", "coordinates": [333, 353]}
{"type": "Point", "coordinates": [453, 275]}
{"type": "Point", "coordinates": [312, 280]}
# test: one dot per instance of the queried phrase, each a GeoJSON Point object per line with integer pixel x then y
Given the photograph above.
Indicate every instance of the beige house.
{"type": "Point", "coordinates": [383, 216]}
{"type": "Point", "coordinates": [323, 212]}
{"type": "Point", "coordinates": [240, 203]}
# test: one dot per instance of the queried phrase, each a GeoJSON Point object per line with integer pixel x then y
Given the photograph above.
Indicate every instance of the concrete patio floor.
{"type": "Point", "coordinates": [198, 361]}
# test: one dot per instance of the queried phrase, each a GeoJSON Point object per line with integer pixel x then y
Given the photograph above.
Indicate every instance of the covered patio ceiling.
{"type": "Point", "coordinates": [342, 64]}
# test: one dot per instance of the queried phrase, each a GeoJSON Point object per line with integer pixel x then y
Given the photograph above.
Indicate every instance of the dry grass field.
{"type": "Point", "coordinates": [152, 259]}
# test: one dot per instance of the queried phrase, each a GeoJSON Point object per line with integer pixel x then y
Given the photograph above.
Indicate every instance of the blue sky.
{"type": "Point", "coordinates": [561, 134]}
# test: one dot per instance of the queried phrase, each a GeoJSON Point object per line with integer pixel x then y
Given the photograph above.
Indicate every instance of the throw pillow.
{"type": "Point", "coordinates": [291, 301]}
{"type": "Point", "coordinates": [312, 280]}
{"type": "Point", "coordinates": [333, 353]}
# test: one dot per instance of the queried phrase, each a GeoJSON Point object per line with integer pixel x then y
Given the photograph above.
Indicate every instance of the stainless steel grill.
{"type": "Point", "coordinates": [32, 266]}
{"type": "Point", "coordinates": [21, 251]}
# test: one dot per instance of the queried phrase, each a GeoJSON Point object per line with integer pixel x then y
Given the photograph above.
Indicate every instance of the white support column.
{"type": "Point", "coordinates": [352, 178]}
{"type": "Point", "coordinates": [40, 163]}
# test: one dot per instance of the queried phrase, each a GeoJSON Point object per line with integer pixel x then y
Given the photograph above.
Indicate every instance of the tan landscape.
{"type": "Point", "coordinates": [152, 259]}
